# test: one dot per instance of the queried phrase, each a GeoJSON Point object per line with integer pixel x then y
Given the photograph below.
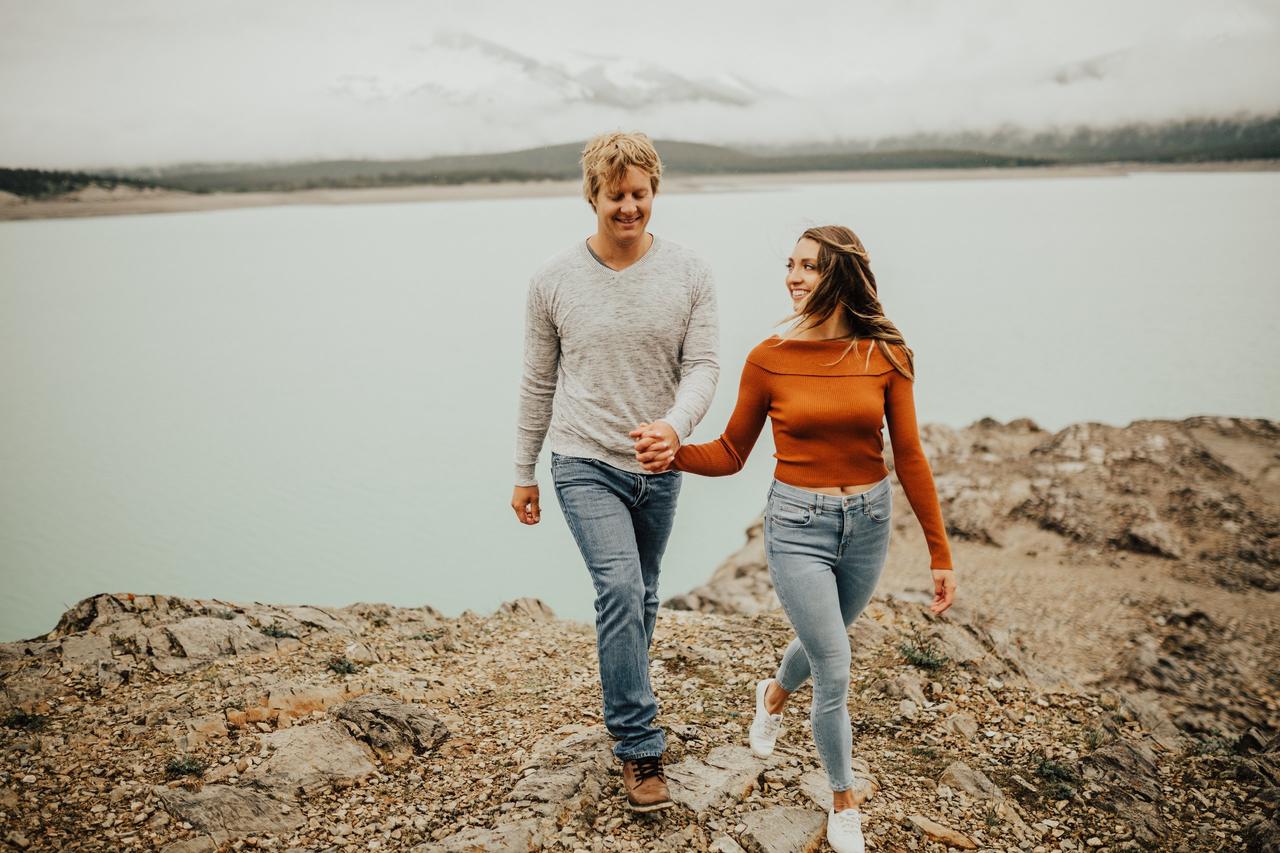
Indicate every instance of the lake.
{"type": "Point", "coordinates": [317, 404]}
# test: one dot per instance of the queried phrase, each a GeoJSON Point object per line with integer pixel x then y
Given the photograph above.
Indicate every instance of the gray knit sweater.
{"type": "Point", "coordinates": [607, 350]}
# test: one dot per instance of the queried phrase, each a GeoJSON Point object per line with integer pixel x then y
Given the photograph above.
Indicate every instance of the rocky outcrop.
{"type": "Point", "coordinates": [484, 733]}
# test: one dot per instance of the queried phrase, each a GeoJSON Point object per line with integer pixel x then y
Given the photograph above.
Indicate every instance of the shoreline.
{"type": "Point", "coordinates": [104, 203]}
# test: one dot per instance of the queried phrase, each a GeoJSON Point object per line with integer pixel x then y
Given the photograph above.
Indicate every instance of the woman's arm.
{"type": "Point", "coordinates": [913, 468]}
{"type": "Point", "coordinates": [728, 453]}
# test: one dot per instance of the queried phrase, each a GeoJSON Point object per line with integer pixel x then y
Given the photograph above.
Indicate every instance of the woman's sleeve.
{"type": "Point", "coordinates": [913, 468]}
{"type": "Point", "coordinates": [728, 453]}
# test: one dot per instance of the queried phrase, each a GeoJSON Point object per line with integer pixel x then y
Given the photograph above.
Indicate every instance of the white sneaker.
{"type": "Point", "coordinates": [844, 831]}
{"type": "Point", "coordinates": [766, 727]}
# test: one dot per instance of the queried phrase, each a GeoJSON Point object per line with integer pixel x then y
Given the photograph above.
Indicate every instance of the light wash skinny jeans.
{"type": "Point", "coordinates": [826, 553]}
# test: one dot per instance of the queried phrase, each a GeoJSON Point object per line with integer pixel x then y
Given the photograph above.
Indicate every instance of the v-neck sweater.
{"type": "Point", "coordinates": [607, 350]}
{"type": "Point", "coordinates": [827, 413]}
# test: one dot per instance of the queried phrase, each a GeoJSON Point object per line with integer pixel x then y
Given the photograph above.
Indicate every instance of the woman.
{"type": "Point", "coordinates": [828, 383]}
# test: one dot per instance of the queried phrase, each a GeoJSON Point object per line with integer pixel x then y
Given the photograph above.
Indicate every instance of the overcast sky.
{"type": "Point", "coordinates": [136, 82]}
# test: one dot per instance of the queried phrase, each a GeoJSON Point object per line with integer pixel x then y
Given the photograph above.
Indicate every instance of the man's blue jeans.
{"type": "Point", "coordinates": [621, 522]}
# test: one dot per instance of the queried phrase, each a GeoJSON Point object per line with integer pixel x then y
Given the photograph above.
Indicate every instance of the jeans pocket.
{"type": "Point", "coordinates": [786, 514]}
{"type": "Point", "coordinates": [881, 509]}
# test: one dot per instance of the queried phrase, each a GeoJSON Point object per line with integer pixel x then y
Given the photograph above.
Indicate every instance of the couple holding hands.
{"type": "Point", "coordinates": [622, 326]}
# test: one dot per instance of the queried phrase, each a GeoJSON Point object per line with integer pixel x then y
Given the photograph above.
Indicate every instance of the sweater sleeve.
{"type": "Point", "coordinates": [913, 468]}
{"type": "Point", "coordinates": [728, 453]}
{"type": "Point", "coordinates": [537, 385]}
{"type": "Point", "coordinates": [699, 366]}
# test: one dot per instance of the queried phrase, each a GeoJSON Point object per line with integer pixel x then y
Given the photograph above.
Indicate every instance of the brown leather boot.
{"type": "Point", "coordinates": [646, 785]}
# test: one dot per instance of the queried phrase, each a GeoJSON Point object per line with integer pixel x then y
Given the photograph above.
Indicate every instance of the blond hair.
{"type": "Point", "coordinates": [847, 284]}
{"type": "Point", "coordinates": [605, 160]}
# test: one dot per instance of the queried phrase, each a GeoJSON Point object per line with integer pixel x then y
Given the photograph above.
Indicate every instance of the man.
{"type": "Point", "coordinates": [620, 334]}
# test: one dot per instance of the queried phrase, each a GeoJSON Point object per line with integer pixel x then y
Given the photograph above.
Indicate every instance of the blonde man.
{"type": "Point", "coordinates": [620, 334]}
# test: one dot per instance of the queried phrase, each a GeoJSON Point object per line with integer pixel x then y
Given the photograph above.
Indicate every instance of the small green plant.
{"type": "Point", "coordinates": [278, 631]}
{"type": "Point", "coordinates": [224, 614]}
{"type": "Point", "coordinates": [427, 635]}
{"type": "Point", "coordinates": [1096, 737]}
{"type": "Point", "coordinates": [923, 652]}
{"type": "Point", "coordinates": [926, 751]}
{"type": "Point", "coordinates": [1215, 743]}
{"type": "Point", "coordinates": [342, 666]}
{"type": "Point", "coordinates": [24, 721]}
{"type": "Point", "coordinates": [187, 765]}
{"type": "Point", "coordinates": [1053, 771]}
{"type": "Point", "coordinates": [992, 816]}
{"type": "Point", "coordinates": [1059, 791]}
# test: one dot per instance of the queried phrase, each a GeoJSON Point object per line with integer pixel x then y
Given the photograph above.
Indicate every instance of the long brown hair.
{"type": "Point", "coordinates": [847, 284]}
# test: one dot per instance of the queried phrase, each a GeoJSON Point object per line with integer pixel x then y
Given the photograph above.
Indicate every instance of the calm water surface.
{"type": "Point", "coordinates": [316, 404]}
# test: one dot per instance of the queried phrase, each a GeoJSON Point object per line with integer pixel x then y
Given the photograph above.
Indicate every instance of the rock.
{"type": "Point", "coordinates": [817, 786]}
{"type": "Point", "coordinates": [527, 608]}
{"type": "Point", "coordinates": [297, 699]}
{"type": "Point", "coordinates": [782, 829]}
{"type": "Point", "coordinates": [199, 844]}
{"type": "Point", "coordinates": [906, 685]}
{"type": "Point", "coordinates": [962, 724]}
{"type": "Point", "coordinates": [729, 772]}
{"type": "Point", "coordinates": [1151, 537]}
{"type": "Point", "coordinates": [937, 832]}
{"type": "Point", "coordinates": [504, 838]}
{"type": "Point", "coordinates": [725, 844]}
{"type": "Point", "coordinates": [304, 757]}
{"type": "Point", "coordinates": [1127, 770]}
{"type": "Point", "coordinates": [961, 777]}
{"type": "Point", "coordinates": [226, 812]}
{"type": "Point", "coordinates": [395, 731]}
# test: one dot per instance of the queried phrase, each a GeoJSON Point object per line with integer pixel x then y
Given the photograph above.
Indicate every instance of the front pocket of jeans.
{"type": "Point", "coordinates": [790, 515]}
{"type": "Point", "coordinates": [881, 509]}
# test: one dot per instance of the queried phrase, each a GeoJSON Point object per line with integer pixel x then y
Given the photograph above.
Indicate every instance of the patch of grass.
{"type": "Point", "coordinates": [187, 765]}
{"type": "Point", "coordinates": [278, 631]}
{"type": "Point", "coordinates": [1059, 791]}
{"type": "Point", "coordinates": [1096, 737]}
{"type": "Point", "coordinates": [926, 751]}
{"type": "Point", "coordinates": [223, 614]}
{"type": "Point", "coordinates": [1214, 742]}
{"type": "Point", "coordinates": [1053, 771]}
{"type": "Point", "coordinates": [24, 721]}
{"type": "Point", "coordinates": [923, 652]}
{"type": "Point", "coordinates": [429, 636]}
{"type": "Point", "coordinates": [342, 666]}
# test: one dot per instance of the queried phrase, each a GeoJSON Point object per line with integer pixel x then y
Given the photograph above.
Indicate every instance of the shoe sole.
{"type": "Point", "coordinates": [651, 807]}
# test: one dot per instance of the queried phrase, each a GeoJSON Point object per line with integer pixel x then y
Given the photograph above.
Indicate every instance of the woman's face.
{"type": "Point", "coordinates": [802, 272]}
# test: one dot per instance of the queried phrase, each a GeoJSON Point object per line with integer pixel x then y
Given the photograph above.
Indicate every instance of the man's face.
{"type": "Point", "coordinates": [622, 210]}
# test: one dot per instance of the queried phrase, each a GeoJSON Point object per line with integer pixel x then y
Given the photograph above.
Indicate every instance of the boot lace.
{"type": "Point", "coordinates": [649, 768]}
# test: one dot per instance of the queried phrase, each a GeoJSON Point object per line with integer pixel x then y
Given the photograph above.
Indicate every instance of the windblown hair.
{"type": "Point", "coordinates": [847, 284]}
{"type": "Point", "coordinates": [606, 158]}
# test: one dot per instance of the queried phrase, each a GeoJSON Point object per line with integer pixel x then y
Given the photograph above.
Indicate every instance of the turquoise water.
{"type": "Point", "coordinates": [316, 404]}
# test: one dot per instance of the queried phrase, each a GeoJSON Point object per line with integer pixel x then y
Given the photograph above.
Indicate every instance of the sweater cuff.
{"type": "Point", "coordinates": [525, 476]}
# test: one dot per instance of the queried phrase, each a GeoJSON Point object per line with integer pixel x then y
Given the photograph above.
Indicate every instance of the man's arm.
{"type": "Point", "coordinates": [699, 364]}
{"type": "Point", "coordinates": [537, 385]}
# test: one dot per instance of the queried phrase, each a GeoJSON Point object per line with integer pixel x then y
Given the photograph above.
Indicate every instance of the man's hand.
{"type": "Point", "coordinates": [944, 589]}
{"type": "Point", "coordinates": [656, 445]}
{"type": "Point", "coordinates": [524, 500]}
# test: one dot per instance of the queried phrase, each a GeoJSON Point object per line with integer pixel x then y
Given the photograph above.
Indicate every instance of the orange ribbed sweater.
{"type": "Point", "coordinates": [826, 425]}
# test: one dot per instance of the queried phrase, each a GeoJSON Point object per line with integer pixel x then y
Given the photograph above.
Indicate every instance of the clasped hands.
{"type": "Point", "coordinates": [656, 445]}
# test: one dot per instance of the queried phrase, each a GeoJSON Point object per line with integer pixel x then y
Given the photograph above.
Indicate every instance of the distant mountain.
{"type": "Point", "coordinates": [1204, 139]}
{"type": "Point", "coordinates": [1193, 140]}
{"type": "Point", "coordinates": [554, 162]}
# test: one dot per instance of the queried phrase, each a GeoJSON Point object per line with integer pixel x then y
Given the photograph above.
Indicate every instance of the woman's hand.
{"type": "Point", "coordinates": [944, 589]}
{"type": "Point", "coordinates": [656, 445]}
{"type": "Point", "coordinates": [524, 500]}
